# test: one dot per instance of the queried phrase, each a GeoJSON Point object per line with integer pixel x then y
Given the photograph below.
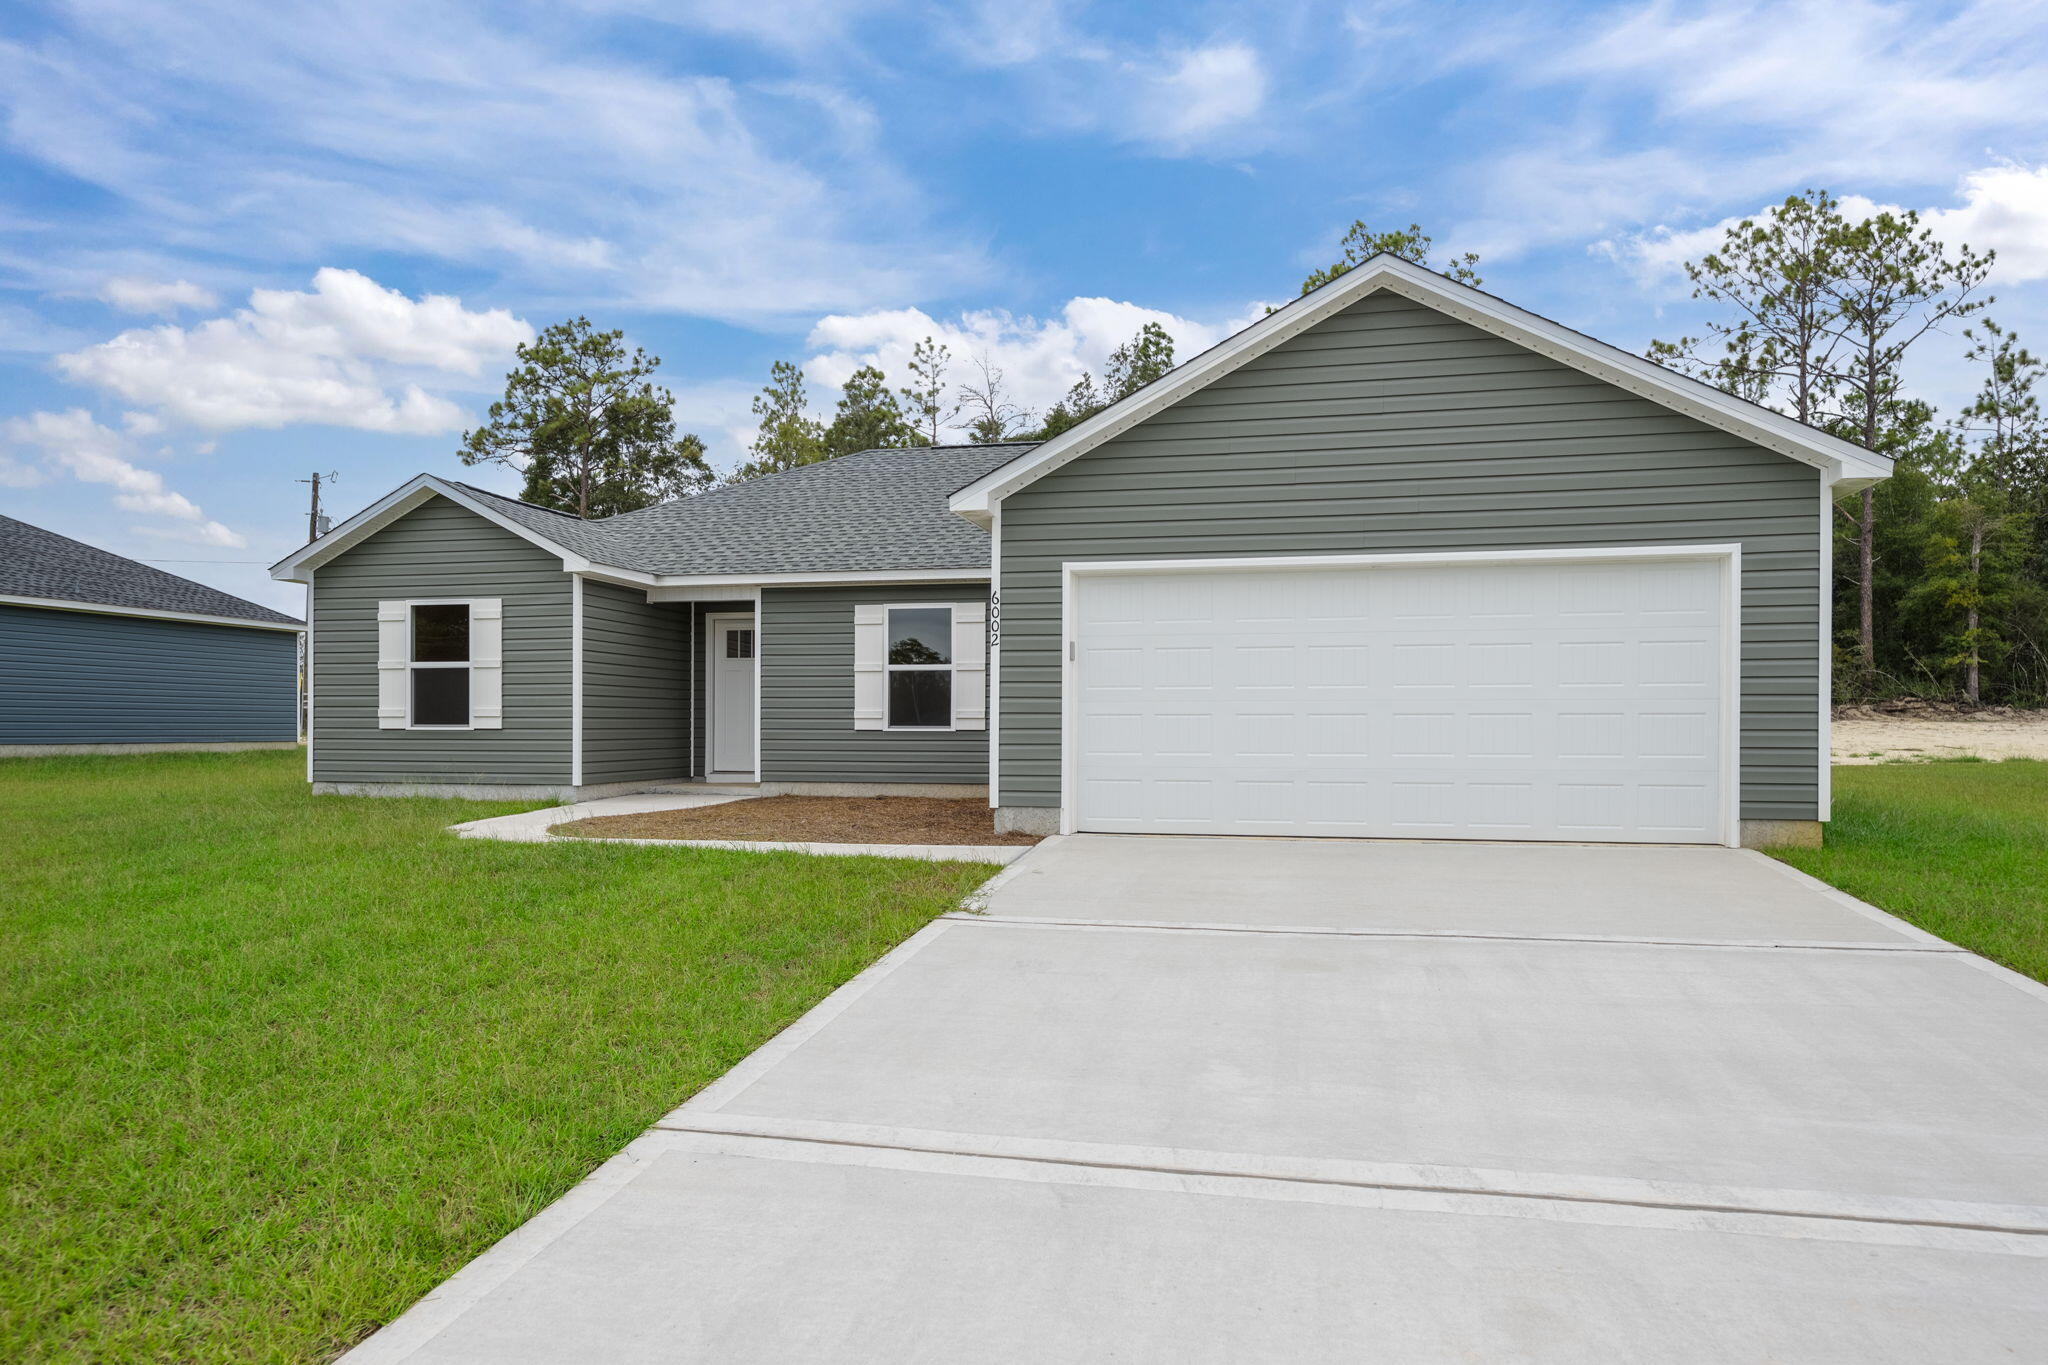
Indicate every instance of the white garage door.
{"type": "Point", "coordinates": [1504, 700]}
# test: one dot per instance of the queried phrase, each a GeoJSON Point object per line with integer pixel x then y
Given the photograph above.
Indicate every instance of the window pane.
{"type": "Point", "coordinates": [921, 635]}
{"type": "Point", "coordinates": [921, 696]}
{"type": "Point", "coordinates": [739, 644]}
{"type": "Point", "coordinates": [440, 634]}
{"type": "Point", "coordinates": [440, 696]}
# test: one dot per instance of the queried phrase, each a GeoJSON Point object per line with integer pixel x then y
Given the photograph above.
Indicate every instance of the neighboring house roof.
{"type": "Point", "coordinates": [38, 566]}
{"type": "Point", "coordinates": [874, 512]}
{"type": "Point", "coordinates": [1841, 462]}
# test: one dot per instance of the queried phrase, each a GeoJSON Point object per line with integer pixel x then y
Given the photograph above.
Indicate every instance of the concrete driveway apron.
{"type": "Point", "coordinates": [1182, 1100]}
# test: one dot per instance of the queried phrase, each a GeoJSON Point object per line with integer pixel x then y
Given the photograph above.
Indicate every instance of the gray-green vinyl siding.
{"type": "Point", "coordinates": [636, 686]}
{"type": "Point", "coordinates": [1391, 427]}
{"type": "Point", "coordinates": [441, 550]}
{"type": "Point", "coordinates": [74, 677]}
{"type": "Point", "coordinates": [807, 732]}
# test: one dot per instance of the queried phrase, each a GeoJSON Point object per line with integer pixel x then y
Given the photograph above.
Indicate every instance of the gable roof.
{"type": "Point", "coordinates": [1841, 462]}
{"type": "Point", "coordinates": [41, 566]}
{"type": "Point", "coordinates": [874, 512]}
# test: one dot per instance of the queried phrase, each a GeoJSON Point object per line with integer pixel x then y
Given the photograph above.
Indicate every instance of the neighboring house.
{"type": "Point", "coordinates": [100, 654]}
{"type": "Point", "coordinates": [1398, 560]}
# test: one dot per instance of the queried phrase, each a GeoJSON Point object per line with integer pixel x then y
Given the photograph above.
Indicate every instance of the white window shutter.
{"type": "Point", "coordinates": [394, 651]}
{"type": "Point", "coordinates": [870, 681]}
{"type": "Point", "coordinates": [487, 663]}
{"type": "Point", "coordinates": [970, 665]}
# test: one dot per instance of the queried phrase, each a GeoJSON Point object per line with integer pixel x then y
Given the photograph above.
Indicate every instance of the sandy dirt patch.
{"type": "Point", "coordinates": [1863, 737]}
{"type": "Point", "coordinates": [812, 819]}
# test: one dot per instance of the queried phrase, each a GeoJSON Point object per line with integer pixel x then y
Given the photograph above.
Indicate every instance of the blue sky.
{"type": "Point", "coordinates": [241, 242]}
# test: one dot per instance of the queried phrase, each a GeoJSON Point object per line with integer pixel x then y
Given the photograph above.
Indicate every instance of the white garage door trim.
{"type": "Point", "coordinates": [1729, 556]}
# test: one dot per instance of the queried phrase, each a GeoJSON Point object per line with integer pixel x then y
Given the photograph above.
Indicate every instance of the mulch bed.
{"type": "Point", "coordinates": [812, 819]}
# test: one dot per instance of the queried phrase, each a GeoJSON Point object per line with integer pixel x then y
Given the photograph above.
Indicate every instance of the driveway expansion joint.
{"type": "Point", "coordinates": [2037, 1227]}
{"type": "Point", "coordinates": [1311, 931]}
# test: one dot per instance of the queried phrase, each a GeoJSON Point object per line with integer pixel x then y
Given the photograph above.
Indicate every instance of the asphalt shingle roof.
{"type": "Point", "coordinates": [875, 510]}
{"type": "Point", "coordinates": [39, 563]}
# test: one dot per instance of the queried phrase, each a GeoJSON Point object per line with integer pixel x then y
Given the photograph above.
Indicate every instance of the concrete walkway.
{"type": "Point", "coordinates": [537, 826]}
{"type": "Point", "coordinates": [1247, 1100]}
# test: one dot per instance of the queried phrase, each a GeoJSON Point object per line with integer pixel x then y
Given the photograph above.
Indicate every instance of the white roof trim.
{"type": "Point", "coordinates": [690, 583]}
{"type": "Point", "coordinates": [1838, 460]}
{"type": "Point", "coordinates": [395, 504]}
{"type": "Point", "coordinates": [407, 496]}
{"type": "Point", "coordinates": [148, 613]}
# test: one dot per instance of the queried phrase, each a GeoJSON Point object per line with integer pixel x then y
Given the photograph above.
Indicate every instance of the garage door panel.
{"type": "Point", "coordinates": [1560, 701]}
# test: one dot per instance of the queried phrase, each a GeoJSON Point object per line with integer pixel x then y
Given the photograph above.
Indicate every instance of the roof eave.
{"type": "Point", "coordinates": [1837, 459]}
{"type": "Point", "coordinates": [412, 494]}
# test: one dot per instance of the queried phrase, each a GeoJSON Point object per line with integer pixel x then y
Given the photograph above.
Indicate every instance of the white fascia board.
{"type": "Point", "coordinates": [1838, 460]}
{"type": "Point", "coordinates": [710, 587]}
{"type": "Point", "coordinates": [146, 613]}
{"type": "Point", "coordinates": [396, 504]}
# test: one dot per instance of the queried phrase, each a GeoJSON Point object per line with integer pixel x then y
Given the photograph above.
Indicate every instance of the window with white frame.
{"type": "Point", "coordinates": [438, 665]}
{"type": "Point", "coordinates": [919, 667]}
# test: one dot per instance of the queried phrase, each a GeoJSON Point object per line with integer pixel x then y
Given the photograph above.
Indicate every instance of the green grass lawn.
{"type": "Point", "coordinates": [1958, 848]}
{"type": "Point", "coordinates": [274, 1065]}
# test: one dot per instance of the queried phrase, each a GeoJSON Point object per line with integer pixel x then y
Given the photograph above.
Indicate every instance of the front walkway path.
{"type": "Point", "coordinates": [1235, 1100]}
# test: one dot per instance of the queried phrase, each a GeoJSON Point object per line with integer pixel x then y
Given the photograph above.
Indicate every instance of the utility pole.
{"type": "Point", "coordinates": [314, 530]}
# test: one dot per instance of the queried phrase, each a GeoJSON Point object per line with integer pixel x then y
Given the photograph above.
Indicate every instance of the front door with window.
{"type": "Point", "coordinates": [730, 714]}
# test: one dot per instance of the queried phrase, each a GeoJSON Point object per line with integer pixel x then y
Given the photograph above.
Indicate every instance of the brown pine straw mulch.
{"type": "Point", "coordinates": [812, 819]}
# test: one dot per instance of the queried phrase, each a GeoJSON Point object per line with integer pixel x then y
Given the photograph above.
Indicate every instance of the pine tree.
{"type": "Point", "coordinates": [1411, 243]}
{"type": "Point", "coordinates": [868, 417]}
{"type": "Point", "coordinates": [785, 435]}
{"type": "Point", "coordinates": [925, 401]}
{"type": "Point", "coordinates": [581, 421]}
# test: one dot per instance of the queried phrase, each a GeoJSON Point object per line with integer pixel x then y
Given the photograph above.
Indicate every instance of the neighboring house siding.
{"type": "Point", "coordinates": [71, 677]}
{"type": "Point", "coordinates": [441, 550]}
{"type": "Point", "coordinates": [807, 732]}
{"type": "Point", "coordinates": [1391, 427]}
{"type": "Point", "coordinates": [636, 687]}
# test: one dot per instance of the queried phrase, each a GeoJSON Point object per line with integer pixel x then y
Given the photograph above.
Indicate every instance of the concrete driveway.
{"type": "Point", "coordinates": [1230, 1100]}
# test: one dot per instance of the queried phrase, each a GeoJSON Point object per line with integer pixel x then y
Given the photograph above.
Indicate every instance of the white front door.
{"type": "Point", "coordinates": [1498, 700]}
{"type": "Point", "coordinates": [730, 718]}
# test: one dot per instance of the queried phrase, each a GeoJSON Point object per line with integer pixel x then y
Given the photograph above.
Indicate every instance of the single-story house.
{"type": "Point", "coordinates": [1398, 560]}
{"type": "Point", "coordinates": [102, 654]}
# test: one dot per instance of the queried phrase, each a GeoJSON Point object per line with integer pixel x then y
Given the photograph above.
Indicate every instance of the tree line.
{"type": "Point", "coordinates": [870, 415]}
{"type": "Point", "coordinates": [1941, 570]}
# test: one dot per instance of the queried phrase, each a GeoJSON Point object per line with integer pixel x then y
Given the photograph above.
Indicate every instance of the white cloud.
{"type": "Point", "coordinates": [1176, 96]}
{"type": "Point", "coordinates": [1192, 96]}
{"type": "Point", "coordinates": [20, 474]}
{"type": "Point", "coordinates": [2002, 208]}
{"type": "Point", "coordinates": [1040, 357]}
{"type": "Point", "coordinates": [339, 355]}
{"type": "Point", "coordinates": [91, 453]}
{"type": "Point", "coordinates": [201, 533]}
{"type": "Point", "coordinates": [1658, 112]}
{"type": "Point", "coordinates": [133, 295]}
{"type": "Point", "coordinates": [517, 147]}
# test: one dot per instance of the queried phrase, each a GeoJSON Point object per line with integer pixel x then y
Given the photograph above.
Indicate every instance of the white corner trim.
{"type": "Point", "coordinates": [760, 701]}
{"type": "Point", "coordinates": [144, 613]}
{"type": "Point", "coordinates": [1836, 458]}
{"type": "Point", "coordinates": [994, 681]}
{"type": "Point", "coordinates": [310, 639]}
{"type": "Point", "coordinates": [575, 680]}
{"type": "Point", "coordinates": [1728, 554]}
{"type": "Point", "coordinates": [1825, 794]}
